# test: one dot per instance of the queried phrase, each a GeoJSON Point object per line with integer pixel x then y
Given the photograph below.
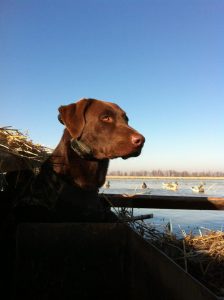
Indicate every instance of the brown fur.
{"type": "Point", "coordinates": [103, 127]}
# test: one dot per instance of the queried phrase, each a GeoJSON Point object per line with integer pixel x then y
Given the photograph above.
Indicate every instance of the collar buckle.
{"type": "Point", "coordinates": [81, 149]}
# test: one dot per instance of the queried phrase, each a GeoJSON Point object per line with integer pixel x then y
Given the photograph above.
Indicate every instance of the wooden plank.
{"type": "Point", "coordinates": [95, 260]}
{"type": "Point", "coordinates": [165, 202]}
{"type": "Point", "coordinates": [137, 218]}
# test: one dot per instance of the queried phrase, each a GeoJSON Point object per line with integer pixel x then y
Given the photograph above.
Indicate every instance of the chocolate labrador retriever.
{"type": "Point", "coordinates": [95, 132]}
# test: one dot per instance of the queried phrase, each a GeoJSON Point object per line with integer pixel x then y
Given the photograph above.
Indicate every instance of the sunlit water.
{"type": "Point", "coordinates": [189, 220]}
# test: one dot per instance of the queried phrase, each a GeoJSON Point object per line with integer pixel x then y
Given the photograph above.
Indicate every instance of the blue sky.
{"type": "Point", "coordinates": [161, 61]}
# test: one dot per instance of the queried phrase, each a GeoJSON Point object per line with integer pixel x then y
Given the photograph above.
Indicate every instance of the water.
{"type": "Point", "coordinates": [188, 220]}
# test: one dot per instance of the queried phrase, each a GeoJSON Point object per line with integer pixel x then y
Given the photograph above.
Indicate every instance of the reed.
{"type": "Point", "coordinates": [18, 151]}
{"type": "Point", "coordinates": [200, 255]}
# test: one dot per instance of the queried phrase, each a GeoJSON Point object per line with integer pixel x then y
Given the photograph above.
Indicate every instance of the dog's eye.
{"type": "Point", "coordinates": [107, 118]}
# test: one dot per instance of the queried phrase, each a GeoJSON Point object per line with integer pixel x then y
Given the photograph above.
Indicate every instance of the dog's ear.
{"type": "Point", "coordinates": [73, 116]}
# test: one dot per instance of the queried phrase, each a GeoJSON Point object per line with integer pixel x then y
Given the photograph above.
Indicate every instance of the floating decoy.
{"type": "Point", "coordinates": [107, 184]}
{"type": "Point", "coordinates": [198, 189]}
{"type": "Point", "coordinates": [144, 185]}
{"type": "Point", "coordinates": [173, 186]}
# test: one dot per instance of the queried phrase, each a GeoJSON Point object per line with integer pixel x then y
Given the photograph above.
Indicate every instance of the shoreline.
{"type": "Point", "coordinates": [165, 177]}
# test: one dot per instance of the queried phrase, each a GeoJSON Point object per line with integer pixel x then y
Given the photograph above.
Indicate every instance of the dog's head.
{"type": "Point", "coordinates": [101, 129]}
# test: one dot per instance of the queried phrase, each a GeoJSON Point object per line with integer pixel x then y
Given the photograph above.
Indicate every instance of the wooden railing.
{"type": "Point", "coordinates": [165, 202]}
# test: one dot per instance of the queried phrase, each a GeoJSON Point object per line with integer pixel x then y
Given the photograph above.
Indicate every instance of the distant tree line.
{"type": "Point", "coordinates": [167, 173]}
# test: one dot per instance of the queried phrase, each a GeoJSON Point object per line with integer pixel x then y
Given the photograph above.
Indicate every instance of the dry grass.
{"type": "Point", "coordinates": [206, 258]}
{"type": "Point", "coordinates": [201, 255]}
{"type": "Point", "coordinates": [17, 149]}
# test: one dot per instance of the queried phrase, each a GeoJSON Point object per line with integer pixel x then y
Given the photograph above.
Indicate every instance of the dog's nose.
{"type": "Point", "coordinates": [137, 140]}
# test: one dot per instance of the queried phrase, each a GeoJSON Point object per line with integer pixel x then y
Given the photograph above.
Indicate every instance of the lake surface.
{"type": "Point", "coordinates": [188, 220]}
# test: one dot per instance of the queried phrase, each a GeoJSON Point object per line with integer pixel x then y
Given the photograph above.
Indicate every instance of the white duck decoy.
{"type": "Point", "coordinates": [172, 186]}
{"type": "Point", "coordinates": [198, 189]}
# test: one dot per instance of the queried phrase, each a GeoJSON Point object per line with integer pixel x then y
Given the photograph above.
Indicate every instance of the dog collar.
{"type": "Point", "coordinates": [81, 149]}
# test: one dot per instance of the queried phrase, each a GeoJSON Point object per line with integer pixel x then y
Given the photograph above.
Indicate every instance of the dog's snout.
{"type": "Point", "coordinates": [137, 140]}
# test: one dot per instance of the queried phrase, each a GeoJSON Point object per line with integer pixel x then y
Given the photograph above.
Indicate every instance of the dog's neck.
{"type": "Point", "coordinates": [87, 174]}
